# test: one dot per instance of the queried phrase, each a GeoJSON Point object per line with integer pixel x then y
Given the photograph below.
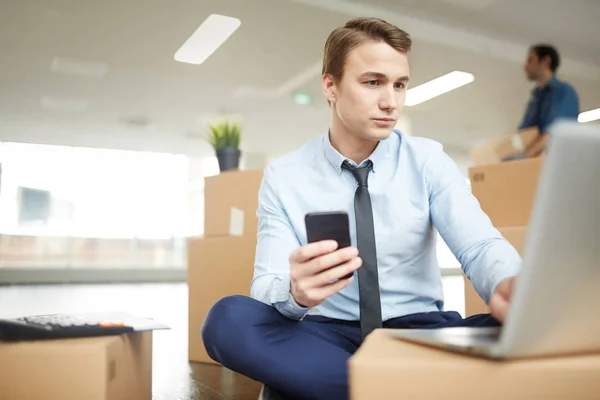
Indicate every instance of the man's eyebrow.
{"type": "Point", "coordinates": [372, 74]}
{"type": "Point", "coordinates": [379, 75]}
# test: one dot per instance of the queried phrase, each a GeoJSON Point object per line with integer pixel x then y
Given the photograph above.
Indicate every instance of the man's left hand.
{"type": "Point", "coordinates": [500, 299]}
{"type": "Point", "coordinates": [537, 147]}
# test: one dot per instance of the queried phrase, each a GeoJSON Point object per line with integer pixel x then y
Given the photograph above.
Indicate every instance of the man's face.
{"type": "Point", "coordinates": [533, 67]}
{"type": "Point", "coordinates": [370, 96]}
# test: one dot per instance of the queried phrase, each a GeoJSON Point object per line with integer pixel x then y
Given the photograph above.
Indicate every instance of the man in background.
{"type": "Point", "coordinates": [551, 99]}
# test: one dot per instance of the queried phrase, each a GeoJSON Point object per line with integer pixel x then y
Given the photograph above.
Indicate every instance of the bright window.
{"type": "Point", "coordinates": [60, 190]}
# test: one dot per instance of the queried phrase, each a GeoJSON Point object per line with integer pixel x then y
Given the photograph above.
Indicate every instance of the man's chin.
{"type": "Point", "coordinates": [378, 134]}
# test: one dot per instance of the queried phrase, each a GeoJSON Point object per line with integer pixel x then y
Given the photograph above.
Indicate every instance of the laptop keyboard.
{"type": "Point", "coordinates": [59, 326]}
{"type": "Point", "coordinates": [57, 320]}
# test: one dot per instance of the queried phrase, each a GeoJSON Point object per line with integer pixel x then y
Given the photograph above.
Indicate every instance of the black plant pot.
{"type": "Point", "coordinates": [229, 158]}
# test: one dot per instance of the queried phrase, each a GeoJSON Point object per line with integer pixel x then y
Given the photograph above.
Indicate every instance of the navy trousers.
{"type": "Point", "coordinates": [300, 359]}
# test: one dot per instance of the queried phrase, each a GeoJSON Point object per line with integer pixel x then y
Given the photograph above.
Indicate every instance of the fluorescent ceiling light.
{"type": "Point", "coordinates": [437, 87]}
{"type": "Point", "coordinates": [213, 32]}
{"type": "Point", "coordinates": [588, 116]}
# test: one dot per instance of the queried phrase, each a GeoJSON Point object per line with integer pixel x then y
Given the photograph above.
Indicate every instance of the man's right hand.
{"type": "Point", "coordinates": [316, 270]}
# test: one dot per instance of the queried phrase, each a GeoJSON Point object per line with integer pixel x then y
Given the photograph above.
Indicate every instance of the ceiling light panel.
{"type": "Point", "coordinates": [589, 116]}
{"type": "Point", "coordinates": [209, 36]}
{"type": "Point", "coordinates": [437, 87]}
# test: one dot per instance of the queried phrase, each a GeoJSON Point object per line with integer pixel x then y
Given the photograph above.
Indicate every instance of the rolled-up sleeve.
{"type": "Point", "coordinates": [485, 256]}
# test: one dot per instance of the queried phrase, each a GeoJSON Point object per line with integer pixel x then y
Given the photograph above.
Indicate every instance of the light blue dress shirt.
{"type": "Point", "coordinates": [415, 188]}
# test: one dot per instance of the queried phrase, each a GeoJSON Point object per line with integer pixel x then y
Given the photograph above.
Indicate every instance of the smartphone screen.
{"type": "Point", "coordinates": [330, 225]}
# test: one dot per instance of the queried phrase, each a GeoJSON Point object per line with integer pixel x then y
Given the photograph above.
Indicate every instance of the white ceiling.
{"type": "Point", "coordinates": [148, 101]}
{"type": "Point", "coordinates": [570, 25]}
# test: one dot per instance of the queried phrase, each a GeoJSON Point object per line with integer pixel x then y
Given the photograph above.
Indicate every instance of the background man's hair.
{"type": "Point", "coordinates": [546, 50]}
{"type": "Point", "coordinates": [356, 31]}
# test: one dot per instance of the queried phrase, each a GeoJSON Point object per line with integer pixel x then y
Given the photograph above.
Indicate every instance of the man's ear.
{"type": "Point", "coordinates": [546, 61]}
{"type": "Point", "coordinates": [329, 88]}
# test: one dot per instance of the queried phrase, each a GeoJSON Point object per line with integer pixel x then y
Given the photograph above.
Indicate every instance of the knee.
{"type": "Point", "coordinates": [220, 316]}
{"type": "Point", "coordinates": [223, 322]}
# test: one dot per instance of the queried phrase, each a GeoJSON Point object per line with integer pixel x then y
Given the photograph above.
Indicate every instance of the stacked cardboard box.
{"type": "Point", "coordinates": [221, 262]}
{"type": "Point", "coordinates": [506, 192]}
{"type": "Point", "coordinates": [117, 367]}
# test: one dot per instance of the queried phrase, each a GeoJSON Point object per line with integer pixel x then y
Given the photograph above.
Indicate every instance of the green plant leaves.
{"type": "Point", "coordinates": [224, 134]}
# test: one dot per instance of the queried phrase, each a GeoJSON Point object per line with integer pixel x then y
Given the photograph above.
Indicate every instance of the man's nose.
{"type": "Point", "coordinates": [389, 100]}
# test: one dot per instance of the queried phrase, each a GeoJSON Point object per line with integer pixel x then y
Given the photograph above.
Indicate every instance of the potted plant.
{"type": "Point", "coordinates": [225, 138]}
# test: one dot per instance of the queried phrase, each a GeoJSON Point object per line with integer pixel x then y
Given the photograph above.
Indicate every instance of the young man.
{"type": "Point", "coordinates": [304, 320]}
{"type": "Point", "coordinates": [551, 99]}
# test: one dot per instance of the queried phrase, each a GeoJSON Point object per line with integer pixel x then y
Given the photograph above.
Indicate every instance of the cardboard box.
{"type": "Point", "coordinates": [217, 267]}
{"type": "Point", "coordinates": [498, 150]}
{"type": "Point", "coordinates": [386, 368]}
{"type": "Point", "coordinates": [117, 367]}
{"type": "Point", "coordinates": [506, 191]}
{"type": "Point", "coordinates": [473, 302]}
{"type": "Point", "coordinates": [515, 236]}
{"type": "Point", "coordinates": [230, 203]}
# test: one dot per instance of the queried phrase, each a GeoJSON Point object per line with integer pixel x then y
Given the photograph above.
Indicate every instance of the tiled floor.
{"type": "Point", "coordinates": [173, 377]}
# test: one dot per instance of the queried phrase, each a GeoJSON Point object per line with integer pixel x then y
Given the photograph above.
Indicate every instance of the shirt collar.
{"type": "Point", "coordinates": [336, 159]}
{"type": "Point", "coordinates": [551, 84]}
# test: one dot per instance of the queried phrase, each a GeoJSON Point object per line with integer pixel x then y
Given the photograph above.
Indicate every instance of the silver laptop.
{"type": "Point", "coordinates": [555, 305]}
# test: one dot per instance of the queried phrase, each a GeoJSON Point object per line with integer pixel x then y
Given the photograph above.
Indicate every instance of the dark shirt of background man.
{"type": "Point", "coordinates": [551, 99]}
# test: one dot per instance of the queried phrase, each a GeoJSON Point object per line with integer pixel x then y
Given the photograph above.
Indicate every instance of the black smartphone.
{"type": "Point", "coordinates": [329, 225]}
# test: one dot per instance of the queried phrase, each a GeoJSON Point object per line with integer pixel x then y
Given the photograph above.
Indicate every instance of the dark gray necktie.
{"type": "Point", "coordinates": [368, 277]}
